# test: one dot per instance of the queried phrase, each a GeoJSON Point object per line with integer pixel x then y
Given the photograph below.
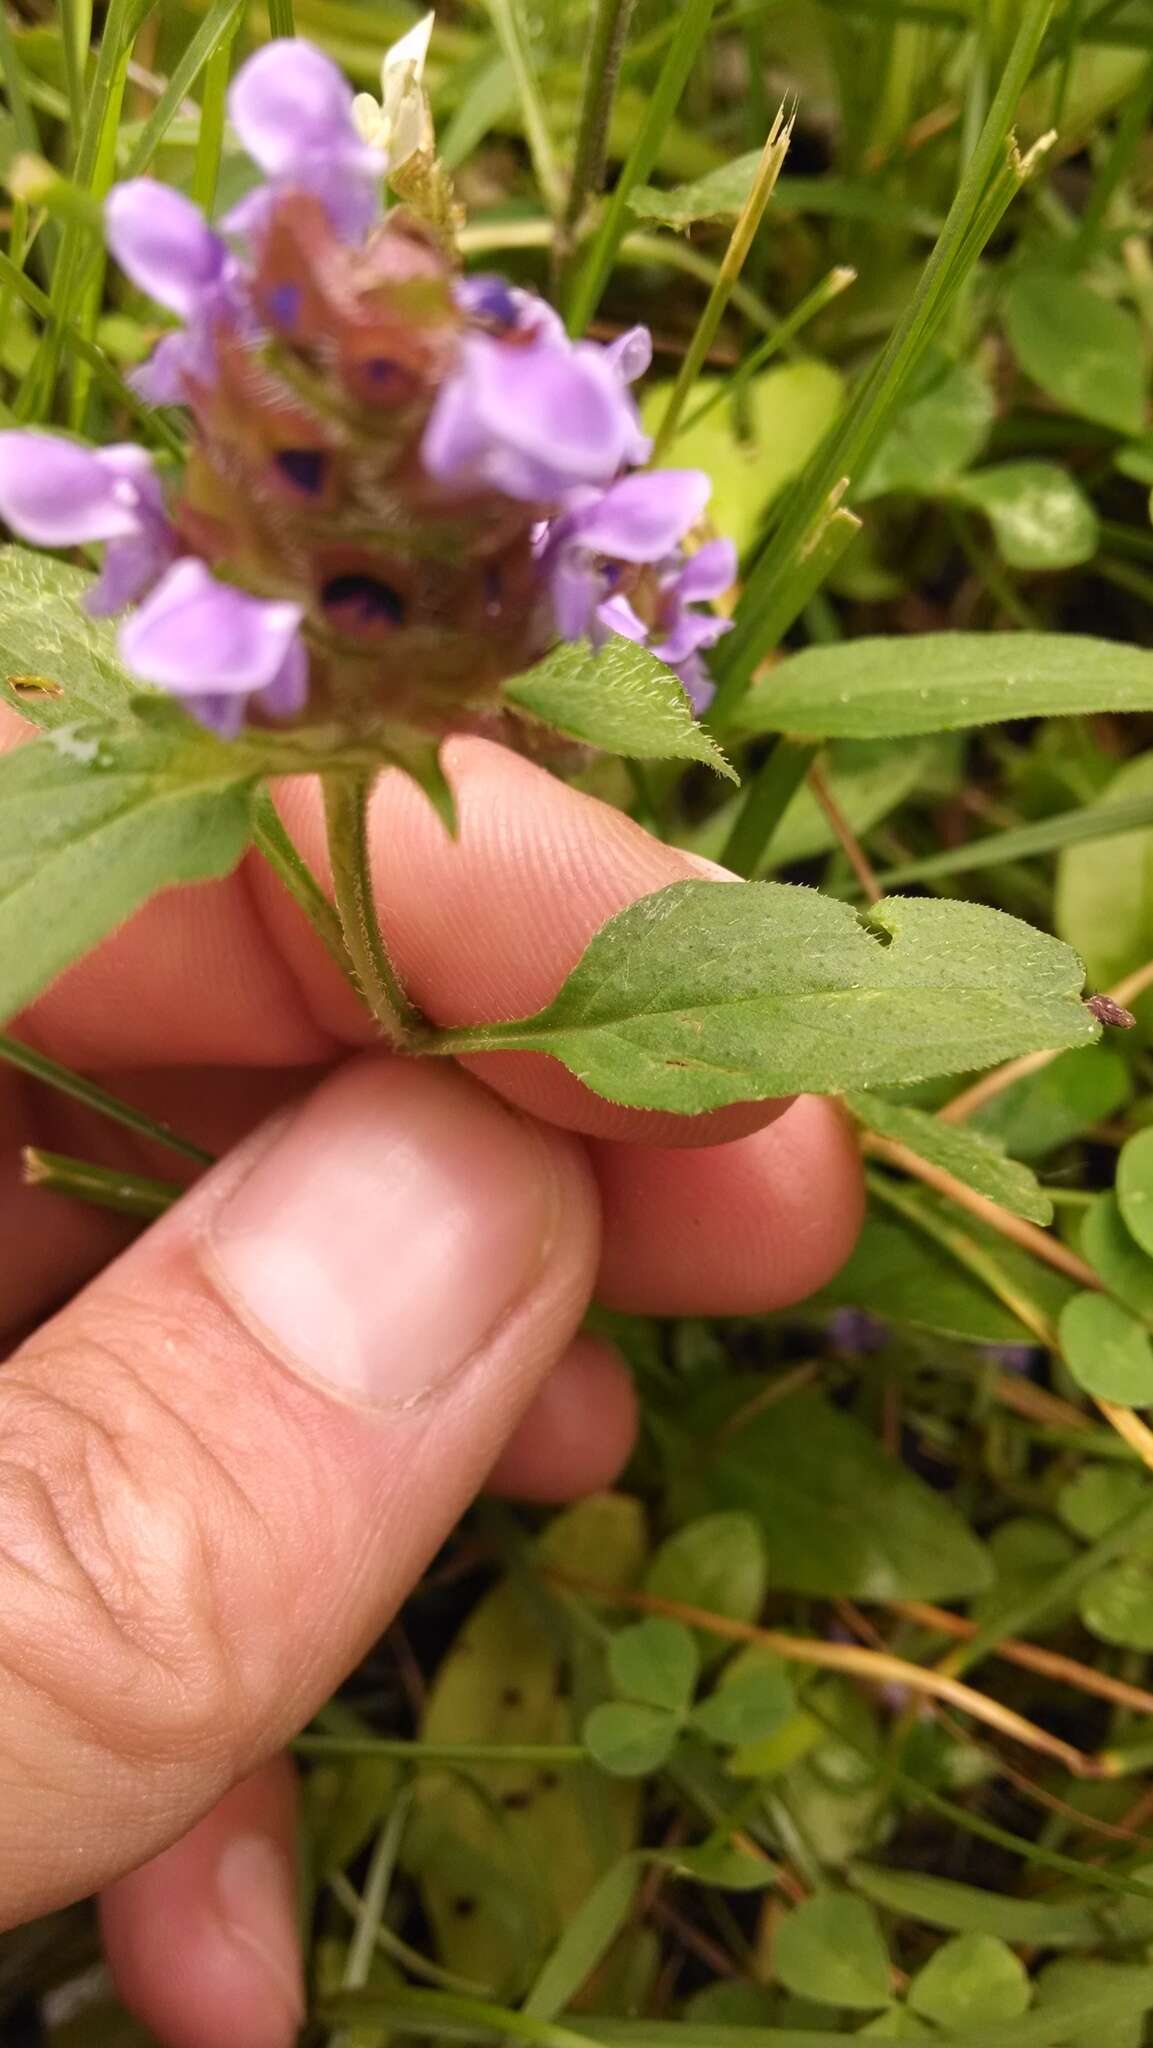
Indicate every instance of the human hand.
{"type": "Point", "coordinates": [227, 1460]}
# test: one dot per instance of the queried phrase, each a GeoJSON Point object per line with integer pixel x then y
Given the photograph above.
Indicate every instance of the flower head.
{"type": "Point", "coordinates": [386, 458]}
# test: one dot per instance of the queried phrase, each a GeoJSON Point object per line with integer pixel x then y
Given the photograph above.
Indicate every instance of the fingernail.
{"type": "Point", "coordinates": [387, 1229]}
{"type": "Point", "coordinates": [256, 1904]}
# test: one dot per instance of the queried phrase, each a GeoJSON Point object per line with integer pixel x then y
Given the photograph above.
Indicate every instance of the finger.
{"type": "Point", "coordinates": [487, 924]}
{"type": "Point", "coordinates": [730, 1229]}
{"type": "Point", "coordinates": [222, 1467]}
{"type": "Point", "coordinates": [63, 1242]}
{"type": "Point", "coordinates": [202, 1941]}
{"type": "Point", "coordinates": [579, 1433]}
{"type": "Point", "coordinates": [483, 925]}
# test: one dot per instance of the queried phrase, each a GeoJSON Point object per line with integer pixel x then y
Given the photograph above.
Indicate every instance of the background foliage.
{"type": "Point", "coordinates": [710, 1754]}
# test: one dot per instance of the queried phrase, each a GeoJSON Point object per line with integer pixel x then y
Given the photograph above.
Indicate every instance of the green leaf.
{"type": "Point", "coordinates": [1117, 1605]}
{"type": "Point", "coordinates": [717, 1562]}
{"type": "Point", "coordinates": [588, 1937]}
{"type": "Point", "coordinates": [721, 193]}
{"type": "Point", "coordinates": [747, 1707]}
{"type": "Point", "coordinates": [1135, 1187]}
{"type": "Point", "coordinates": [973, 1980]}
{"type": "Point", "coordinates": [1081, 349]}
{"type": "Point", "coordinates": [1099, 1497]}
{"type": "Point", "coordinates": [524, 1848]}
{"type": "Point", "coordinates": [655, 1661]}
{"type": "Point", "coordinates": [630, 1740]}
{"type": "Point", "coordinates": [1041, 518]}
{"type": "Point", "coordinates": [963, 1909]}
{"type": "Point", "coordinates": [704, 994]}
{"type": "Point", "coordinates": [899, 1275]}
{"type": "Point", "coordinates": [839, 1516]}
{"type": "Point", "coordinates": [979, 1162]}
{"type": "Point", "coordinates": [1044, 1111]}
{"type": "Point", "coordinates": [1107, 1350]}
{"type": "Point", "coordinates": [831, 1949]}
{"type": "Point", "coordinates": [1115, 1255]}
{"type": "Point", "coordinates": [47, 638]}
{"type": "Point", "coordinates": [939, 431]}
{"type": "Point", "coordinates": [729, 1870]}
{"type": "Point", "coordinates": [939, 682]}
{"type": "Point", "coordinates": [788, 410]}
{"type": "Point", "coordinates": [620, 699]}
{"type": "Point", "coordinates": [92, 823]}
{"type": "Point", "coordinates": [1104, 900]}
{"type": "Point", "coordinates": [1073, 1982]}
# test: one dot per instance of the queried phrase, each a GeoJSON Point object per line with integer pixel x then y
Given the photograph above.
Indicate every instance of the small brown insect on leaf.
{"type": "Point", "coordinates": [34, 686]}
{"type": "Point", "coordinates": [1107, 1011]}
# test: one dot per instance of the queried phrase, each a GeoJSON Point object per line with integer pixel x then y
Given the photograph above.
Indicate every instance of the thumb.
{"type": "Point", "coordinates": [224, 1464]}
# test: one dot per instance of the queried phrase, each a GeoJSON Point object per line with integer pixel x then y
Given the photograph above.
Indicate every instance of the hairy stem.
{"type": "Point", "coordinates": [346, 798]}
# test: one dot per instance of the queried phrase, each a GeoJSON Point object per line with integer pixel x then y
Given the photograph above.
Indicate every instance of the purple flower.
{"type": "Point", "coordinates": [292, 110]}
{"type": "Point", "coordinates": [215, 647]}
{"type": "Point", "coordinates": [164, 244]}
{"type": "Point", "coordinates": [532, 418]}
{"type": "Point", "coordinates": [59, 494]}
{"type": "Point", "coordinates": [640, 521]}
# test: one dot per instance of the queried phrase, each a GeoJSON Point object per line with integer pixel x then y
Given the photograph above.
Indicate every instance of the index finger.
{"type": "Point", "coordinates": [482, 926]}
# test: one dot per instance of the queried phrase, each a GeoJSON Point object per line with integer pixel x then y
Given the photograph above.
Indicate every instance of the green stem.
{"type": "Point", "coordinates": [129, 1194]}
{"type": "Point", "coordinates": [822, 295]}
{"type": "Point", "coordinates": [538, 134]}
{"type": "Point", "coordinates": [770, 794]}
{"type": "Point", "coordinates": [602, 68]}
{"type": "Point", "coordinates": [346, 799]}
{"type": "Point", "coordinates": [441, 2014]}
{"type": "Point", "coordinates": [41, 1068]}
{"type": "Point", "coordinates": [733, 262]}
{"type": "Point", "coordinates": [546, 1754]}
{"type": "Point", "coordinates": [273, 842]}
{"type": "Point", "coordinates": [210, 140]}
{"type": "Point", "coordinates": [597, 267]}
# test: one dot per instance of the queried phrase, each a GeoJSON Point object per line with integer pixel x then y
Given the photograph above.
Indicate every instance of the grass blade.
{"type": "Point", "coordinates": [594, 273]}
{"type": "Point", "coordinates": [981, 198]}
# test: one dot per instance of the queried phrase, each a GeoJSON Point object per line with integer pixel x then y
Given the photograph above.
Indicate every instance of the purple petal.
{"type": "Point", "coordinates": [631, 353]}
{"type": "Point", "coordinates": [163, 242]}
{"type": "Point", "coordinates": [290, 101]}
{"type": "Point", "coordinates": [162, 380]}
{"type": "Point", "coordinates": [131, 567]}
{"type": "Point", "coordinates": [195, 635]}
{"type": "Point", "coordinates": [618, 615]}
{"type": "Point", "coordinates": [287, 694]}
{"type": "Point", "coordinates": [710, 572]}
{"type": "Point", "coordinates": [222, 715]}
{"type": "Point", "coordinates": [698, 685]}
{"type": "Point", "coordinates": [575, 589]}
{"type": "Point", "coordinates": [531, 420]}
{"type": "Point", "coordinates": [688, 634]}
{"type": "Point", "coordinates": [641, 518]}
{"type": "Point", "coordinates": [58, 494]}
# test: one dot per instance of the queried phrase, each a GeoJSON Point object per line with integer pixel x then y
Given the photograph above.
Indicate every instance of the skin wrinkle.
{"type": "Point", "coordinates": [198, 1681]}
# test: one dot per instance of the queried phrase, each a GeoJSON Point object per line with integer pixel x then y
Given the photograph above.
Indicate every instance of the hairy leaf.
{"type": "Point", "coordinates": [938, 682]}
{"type": "Point", "coordinates": [93, 823]}
{"type": "Point", "coordinates": [57, 665]}
{"type": "Point", "coordinates": [702, 995]}
{"type": "Point", "coordinates": [979, 1162]}
{"type": "Point", "coordinates": [620, 699]}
